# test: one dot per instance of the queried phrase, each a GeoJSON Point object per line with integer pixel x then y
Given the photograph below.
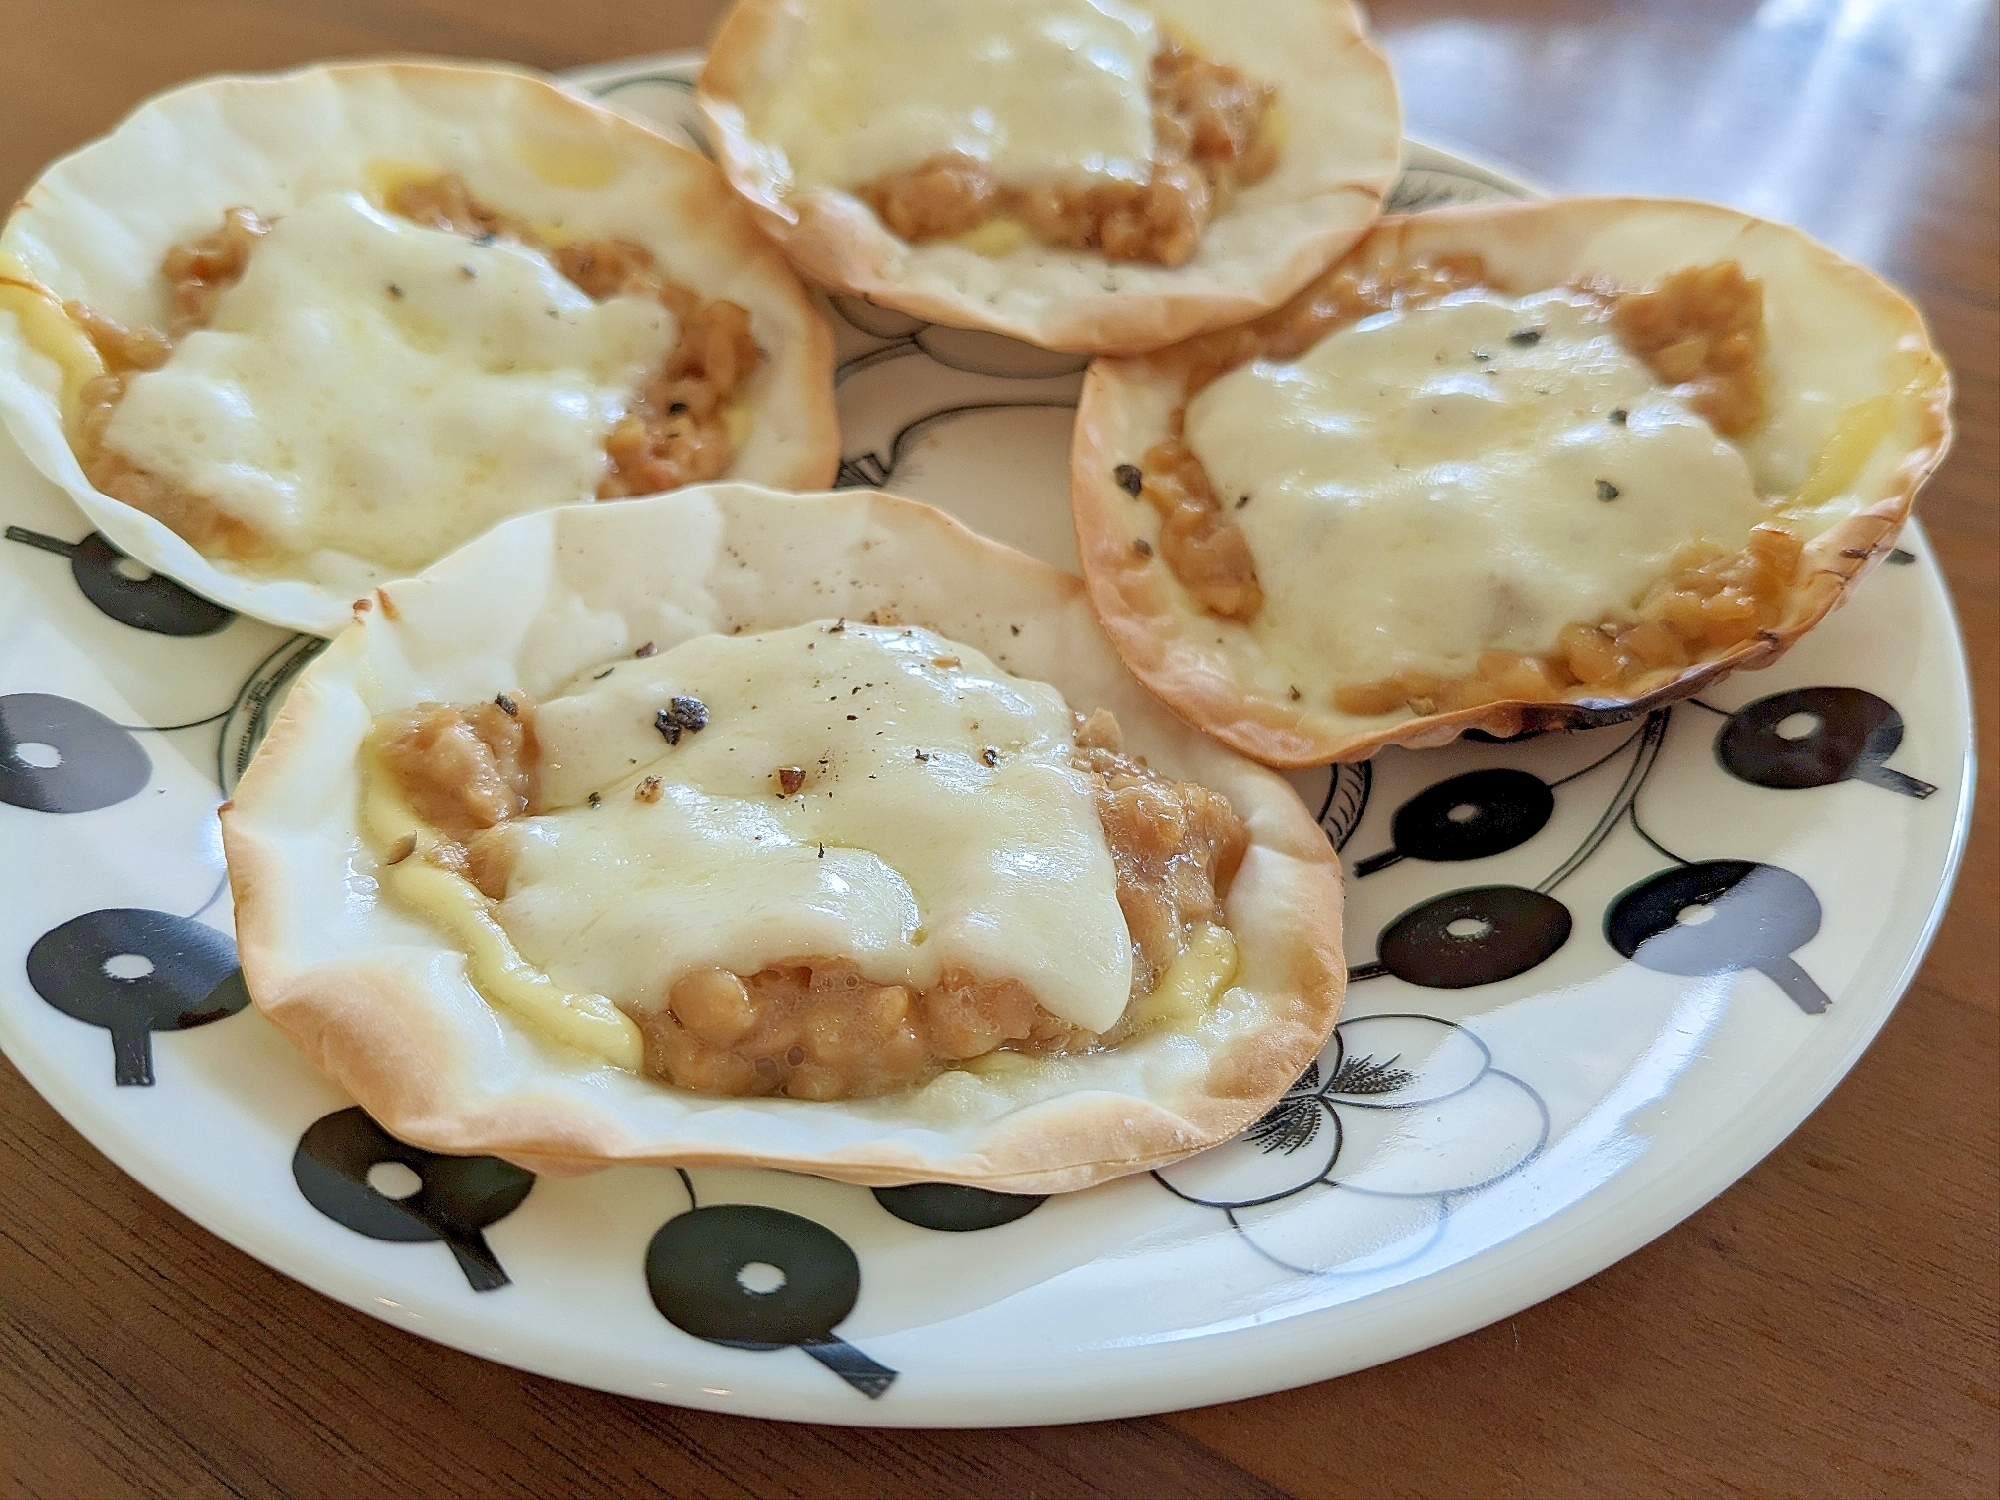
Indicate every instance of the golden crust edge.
{"type": "Point", "coordinates": [1142, 617]}
{"type": "Point", "coordinates": [834, 240]}
{"type": "Point", "coordinates": [331, 1011]}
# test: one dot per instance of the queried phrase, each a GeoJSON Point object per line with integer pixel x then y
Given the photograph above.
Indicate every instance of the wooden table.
{"type": "Point", "coordinates": [1826, 1327]}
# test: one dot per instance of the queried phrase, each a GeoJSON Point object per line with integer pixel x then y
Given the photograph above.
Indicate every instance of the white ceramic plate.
{"type": "Point", "coordinates": [1463, 1148]}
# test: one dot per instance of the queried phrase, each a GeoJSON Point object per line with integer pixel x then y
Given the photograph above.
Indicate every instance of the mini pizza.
{"type": "Point", "coordinates": [1103, 176]}
{"type": "Point", "coordinates": [1508, 467]}
{"type": "Point", "coordinates": [734, 828]}
{"type": "Point", "coordinates": [284, 337]}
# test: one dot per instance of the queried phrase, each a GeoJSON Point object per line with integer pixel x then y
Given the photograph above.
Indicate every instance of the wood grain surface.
{"type": "Point", "coordinates": [1826, 1327]}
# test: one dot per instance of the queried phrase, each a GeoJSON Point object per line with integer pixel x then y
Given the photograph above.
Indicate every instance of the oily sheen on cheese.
{"type": "Point", "coordinates": [1037, 91]}
{"type": "Point", "coordinates": [385, 390]}
{"type": "Point", "coordinates": [902, 850]}
{"type": "Point", "coordinates": [1469, 475]}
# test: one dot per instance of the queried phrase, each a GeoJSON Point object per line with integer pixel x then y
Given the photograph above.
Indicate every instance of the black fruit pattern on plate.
{"type": "Point", "coordinates": [955, 1208]}
{"type": "Point", "coordinates": [57, 756]}
{"type": "Point", "coordinates": [1480, 935]}
{"type": "Point", "coordinates": [752, 1277]}
{"type": "Point", "coordinates": [457, 1197]}
{"type": "Point", "coordinates": [1721, 916]}
{"type": "Point", "coordinates": [1815, 736]}
{"type": "Point", "coordinates": [128, 591]}
{"type": "Point", "coordinates": [1473, 816]}
{"type": "Point", "coordinates": [135, 972]}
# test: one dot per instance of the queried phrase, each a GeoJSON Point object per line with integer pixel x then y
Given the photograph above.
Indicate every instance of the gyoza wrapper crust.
{"type": "Point", "coordinates": [380, 1002]}
{"type": "Point", "coordinates": [96, 224]}
{"type": "Point", "coordinates": [1169, 643]}
{"type": "Point", "coordinates": [1342, 151]}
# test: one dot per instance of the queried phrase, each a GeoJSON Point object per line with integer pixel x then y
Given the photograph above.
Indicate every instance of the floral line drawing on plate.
{"type": "Point", "coordinates": [672, 98]}
{"type": "Point", "coordinates": [873, 470]}
{"type": "Point", "coordinates": [1357, 1168]}
{"type": "Point", "coordinates": [249, 716]}
{"type": "Point", "coordinates": [749, 1276]}
{"type": "Point", "coordinates": [970, 350]}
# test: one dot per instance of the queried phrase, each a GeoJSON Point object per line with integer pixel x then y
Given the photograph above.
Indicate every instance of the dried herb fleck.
{"type": "Point", "coordinates": [681, 714]}
{"type": "Point", "coordinates": [1606, 490]}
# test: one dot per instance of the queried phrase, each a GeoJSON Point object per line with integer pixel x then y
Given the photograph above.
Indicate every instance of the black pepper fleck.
{"type": "Point", "coordinates": [595, 800]}
{"type": "Point", "coordinates": [990, 755]}
{"type": "Point", "coordinates": [850, 718]}
{"type": "Point", "coordinates": [485, 239]}
{"type": "Point", "coordinates": [604, 674]}
{"type": "Point", "coordinates": [395, 291]}
{"type": "Point", "coordinates": [1522, 338]}
{"type": "Point", "coordinates": [1130, 480]}
{"type": "Point", "coordinates": [922, 756]}
{"type": "Point", "coordinates": [646, 650]}
{"type": "Point", "coordinates": [506, 705]}
{"type": "Point", "coordinates": [689, 714]}
{"type": "Point", "coordinates": [1241, 501]}
{"type": "Point", "coordinates": [1619, 414]}
{"type": "Point", "coordinates": [1606, 490]}
{"type": "Point", "coordinates": [1141, 546]}
{"type": "Point", "coordinates": [679, 408]}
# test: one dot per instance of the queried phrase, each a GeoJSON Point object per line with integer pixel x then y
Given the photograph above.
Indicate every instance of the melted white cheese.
{"type": "Point", "coordinates": [1424, 486]}
{"type": "Point", "coordinates": [1037, 90]}
{"type": "Point", "coordinates": [903, 851]}
{"type": "Point", "coordinates": [378, 388]}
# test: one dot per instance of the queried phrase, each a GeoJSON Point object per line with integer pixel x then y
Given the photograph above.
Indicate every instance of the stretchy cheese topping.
{"type": "Point", "coordinates": [998, 123]}
{"type": "Point", "coordinates": [902, 849]}
{"type": "Point", "coordinates": [386, 390]}
{"type": "Point", "coordinates": [826, 861]}
{"type": "Point", "coordinates": [1467, 475]}
{"type": "Point", "coordinates": [1033, 91]}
